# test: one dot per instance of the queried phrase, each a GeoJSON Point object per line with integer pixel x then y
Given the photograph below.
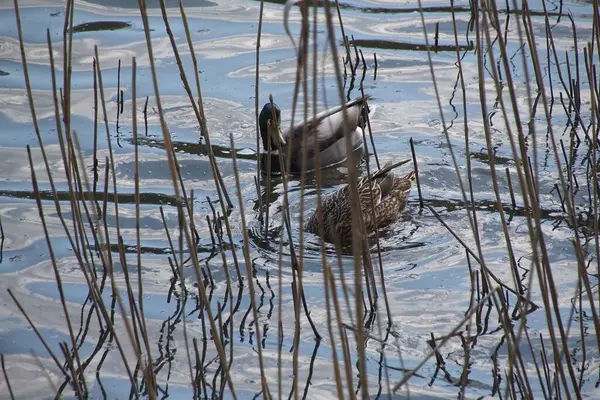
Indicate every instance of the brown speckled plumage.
{"type": "Point", "coordinates": [389, 193]}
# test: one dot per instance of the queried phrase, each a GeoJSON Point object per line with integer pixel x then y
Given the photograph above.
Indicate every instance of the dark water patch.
{"type": "Point", "coordinates": [200, 149]}
{"type": "Point", "coordinates": [159, 249]}
{"type": "Point", "coordinates": [38, 17]}
{"type": "Point", "coordinates": [396, 45]}
{"type": "Point", "coordinates": [17, 130]}
{"type": "Point", "coordinates": [3, 73]}
{"type": "Point", "coordinates": [382, 10]}
{"type": "Point", "coordinates": [190, 170]}
{"type": "Point", "coordinates": [483, 157]}
{"type": "Point", "coordinates": [129, 198]}
{"type": "Point", "coordinates": [101, 26]}
{"type": "Point", "coordinates": [153, 3]}
{"type": "Point", "coordinates": [450, 205]}
{"type": "Point", "coordinates": [444, 9]}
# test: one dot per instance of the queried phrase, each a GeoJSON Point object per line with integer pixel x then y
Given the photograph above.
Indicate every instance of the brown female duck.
{"type": "Point", "coordinates": [382, 198]}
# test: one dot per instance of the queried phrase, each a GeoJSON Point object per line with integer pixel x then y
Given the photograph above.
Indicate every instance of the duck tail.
{"type": "Point", "coordinates": [387, 168]}
{"type": "Point", "coordinates": [411, 176]}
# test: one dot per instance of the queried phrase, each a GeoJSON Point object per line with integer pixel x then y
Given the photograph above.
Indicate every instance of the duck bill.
{"type": "Point", "coordinates": [280, 137]}
{"type": "Point", "coordinates": [275, 134]}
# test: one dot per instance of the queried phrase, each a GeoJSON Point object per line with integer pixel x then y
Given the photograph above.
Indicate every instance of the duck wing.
{"type": "Point", "coordinates": [386, 169]}
{"type": "Point", "coordinates": [327, 127]}
{"type": "Point", "coordinates": [381, 184]}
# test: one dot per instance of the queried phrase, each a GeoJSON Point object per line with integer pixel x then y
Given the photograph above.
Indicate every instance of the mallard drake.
{"type": "Point", "coordinates": [325, 133]}
{"type": "Point", "coordinates": [388, 192]}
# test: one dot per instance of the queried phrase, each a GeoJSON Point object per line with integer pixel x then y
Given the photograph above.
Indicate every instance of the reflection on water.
{"type": "Point", "coordinates": [428, 276]}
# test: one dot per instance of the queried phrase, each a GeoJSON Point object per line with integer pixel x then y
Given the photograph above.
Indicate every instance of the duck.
{"type": "Point", "coordinates": [325, 134]}
{"type": "Point", "coordinates": [382, 196]}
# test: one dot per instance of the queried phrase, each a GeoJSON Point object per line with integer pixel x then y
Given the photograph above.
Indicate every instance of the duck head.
{"type": "Point", "coordinates": [269, 121]}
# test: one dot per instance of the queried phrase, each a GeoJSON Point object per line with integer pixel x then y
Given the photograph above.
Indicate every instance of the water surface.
{"type": "Point", "coordinates": [426, 270]}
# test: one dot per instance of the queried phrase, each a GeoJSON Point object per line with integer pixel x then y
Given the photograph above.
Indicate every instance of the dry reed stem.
{"type": "Point", "coordinates": [578, 248]}
{"type": "Point", "coordinates": [76, 379]}
{"type": "Point", "coordinates": [150, 378]}
{"type": "Point", "coordinates": [256, 105]}
{"type": "Point", "coordinates": [39, 335]}
{"type": "Point", "coordinates": [172, 168]}
{"type": "Point", "coordinates": [357, 223]}
{"type": "Point", "coordinates": [517, 382]}
{"type": "Point", "coordinates": [111, 165]}
{"type": "Point", "coordinates": [248, 262]}
{"type": "Point", "coordinates": [221, 188]}
{"type": "Point", "coordinates": [488, 138]}
{"type": "Point", "coordinates": [533, 186]}
{"type": "Point", "coordinates": [472, 218]}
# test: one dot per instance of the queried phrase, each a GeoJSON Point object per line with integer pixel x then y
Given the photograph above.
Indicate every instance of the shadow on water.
{"type": "Point", "coordinates": [394, 45]}
{"type": "Point", "coordinates": [101, 26]}
{"type": "Point", "coordinates": [411, 9]}
{"type": "Point", "coordinates": [153, 3]}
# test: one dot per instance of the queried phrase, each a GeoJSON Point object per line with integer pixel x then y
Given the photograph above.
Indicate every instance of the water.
{"type": "Point", "coordinates": [426, 270]}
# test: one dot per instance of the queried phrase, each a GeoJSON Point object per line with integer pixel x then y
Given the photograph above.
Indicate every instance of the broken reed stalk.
{"type": "Point", "coordinates": [118, 89]}
{"type": "Point", "coordinates": [347, 363]}
{"type": "Point", "coordinates": [67, 52]}
{"type": "Point", "coordinates": [1, 240]}
{"type": "Point", "coordinates": [76, 379]}
{"type": "Point", "coordinates": [510, 188]}
{"type": "Point", "coordinates": [95, 150]}
{"type": "Point", "coordinates": [328, 277]}
{"type": "Point", "coordinates": [297, 286]}
{"type": "Point", "coordinates": [303, 43]}
{"type": "Point", "coordinates": [343, 33]}
{"type": "Point", "coordinates": [368, 264]}
{"type": "Point", "coordinates": [416, 169]}
{"type": "Point", "coordinates": [256, 106]}
{"type": "Point", "coordinates": [471, 205]}
{"type": "Point", "coordinates": [526, 189]}
{"type": "Point", "coordinates": [326, 266]}
{"type": "Point", "coordinates": [436, 36]}
{"type": "Point", "coordinates": [10, 392]}
{"type": "Point", "coordinates": [490, 152]}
